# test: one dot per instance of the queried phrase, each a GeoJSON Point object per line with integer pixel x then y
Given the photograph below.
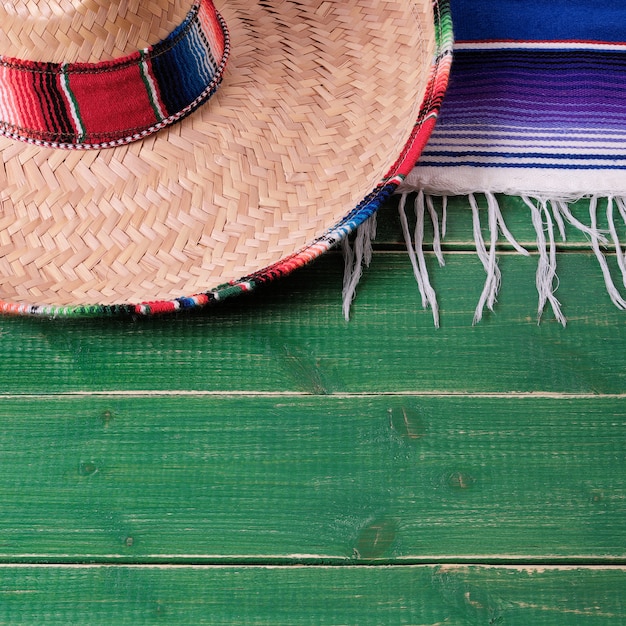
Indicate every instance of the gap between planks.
{"type": "Point", "coordinates": [502, 248]}
{"type": "Point", "coordinates": [505, 562]}
{"type": "Point", "coordinates": [548, 395]}
{"type": "Point", "coordinates": [442, 566]}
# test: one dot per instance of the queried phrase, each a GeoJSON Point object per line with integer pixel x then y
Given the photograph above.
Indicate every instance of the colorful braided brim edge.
{"type": "Point", "coordinates": [428, 113]}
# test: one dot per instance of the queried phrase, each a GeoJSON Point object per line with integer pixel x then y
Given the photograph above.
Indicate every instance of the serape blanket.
{"type": "Point", "coordinates": [535, 107]}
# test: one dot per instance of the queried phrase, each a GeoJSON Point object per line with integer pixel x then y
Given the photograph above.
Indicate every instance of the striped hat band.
{"type": "Point", "coordinates": [98, 105]}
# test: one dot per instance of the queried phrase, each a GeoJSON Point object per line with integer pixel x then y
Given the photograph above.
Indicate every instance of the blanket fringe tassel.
{"type": "Point", "coordinates": [356, 255]}
{"type": "Point", "coordinates": [548, 216]}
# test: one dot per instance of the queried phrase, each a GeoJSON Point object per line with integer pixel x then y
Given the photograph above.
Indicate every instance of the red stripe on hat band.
{"type": "Point", "coordinates": [96, 105]}
{"type": "Point", "coordinates": [101, 107]}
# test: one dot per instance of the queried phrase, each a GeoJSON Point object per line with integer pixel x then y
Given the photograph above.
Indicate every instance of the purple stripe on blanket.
{"type": "Point", "coordinates": [513, 87]}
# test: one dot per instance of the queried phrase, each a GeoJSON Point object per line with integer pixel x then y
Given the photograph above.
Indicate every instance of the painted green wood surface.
{"type": "Point", "coordinates": [270, 431]}
{"type": "Point", "coordinates": [450, 595]}
{"type": "Point", "coordinates": [292, 337]}
{"type": "Point", "coordinates": [215, 479]}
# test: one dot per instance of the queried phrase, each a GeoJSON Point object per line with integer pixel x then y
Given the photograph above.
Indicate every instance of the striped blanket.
{"type": "Point", "coordinates": [536, 107]}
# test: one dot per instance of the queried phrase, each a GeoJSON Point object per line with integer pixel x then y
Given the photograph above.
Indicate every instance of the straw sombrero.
{"type": "Point", "coordinates": [130, 183]}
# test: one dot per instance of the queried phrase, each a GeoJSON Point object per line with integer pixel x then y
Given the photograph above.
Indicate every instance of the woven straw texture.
{"type": "Point", "coordinates": [317, 101]}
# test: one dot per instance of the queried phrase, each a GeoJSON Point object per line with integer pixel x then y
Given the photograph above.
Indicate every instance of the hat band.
{"type": "Point", "coordinates": [110, 103]}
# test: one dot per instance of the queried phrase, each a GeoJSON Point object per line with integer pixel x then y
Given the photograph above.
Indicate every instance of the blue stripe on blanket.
{"type": "Point", "coordinates": [543, 20]}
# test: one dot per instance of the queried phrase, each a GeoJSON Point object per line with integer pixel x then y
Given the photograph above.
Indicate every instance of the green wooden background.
{"type": "Point", "coordinates": [267, 462]}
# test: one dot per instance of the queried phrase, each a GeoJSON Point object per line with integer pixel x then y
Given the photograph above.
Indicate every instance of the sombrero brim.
{"type": "Point", "coordinates": [323, 110]}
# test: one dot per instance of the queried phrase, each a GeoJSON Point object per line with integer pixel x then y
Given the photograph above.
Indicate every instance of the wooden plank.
{"type": "Point", "coordinates": [312, 595]}
{"type": "Point", "coordinates": [292, 337]}
{"type": "Point", "coordinates": [308, 479]}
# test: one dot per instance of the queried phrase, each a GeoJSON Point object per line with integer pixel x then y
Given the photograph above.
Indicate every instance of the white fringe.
{"type": "Point", "coordinates": [561, 210]}
{"type": "Point", "coordinates": [488, 259]}
{"type": "Point", "coordinates": [615, 296]}
{"type": "Point", "coordinates": [621, 257]}
{"type": "Point", "coordinates": [415, 250]}
{"type": "Point", "coordinates": [356, 255]}
{"type": "Point", "coordinates": [492, 203]}
{"type": "Point", "coordinates": [548, 215]}
{"type": "Point", "coordinates": [546, 279]}
{"type": "Point", "coordinates": [444, 215]}
{"type": "Point", "coordinates": [438, 232]}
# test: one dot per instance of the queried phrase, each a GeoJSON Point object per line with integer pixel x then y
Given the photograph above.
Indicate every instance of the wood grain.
{"type": "Point", "coordinates": [292, 337]}
{"type": "Point", "coordinates": [305, 479]}
{"type": "Point", "coordinates": [451, 595]}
